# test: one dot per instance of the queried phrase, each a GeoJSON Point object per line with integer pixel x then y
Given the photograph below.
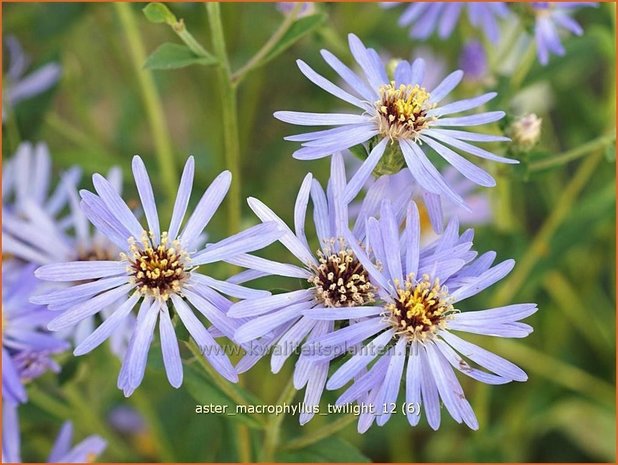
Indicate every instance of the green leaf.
{"type": "Point", "coordinates": [159, 13]}
{"type": "Point", "coordinates": [332, 449]}
{"type": "Point", "coordinates": [200, 387]}
{"type": "Point", "coordinates": [174, 56]}
{"type": "Point", "coordinates": [299, 29]}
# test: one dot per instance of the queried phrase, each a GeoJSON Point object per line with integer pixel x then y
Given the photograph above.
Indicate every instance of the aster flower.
{"type": "Point", "coordinates": [473, 61]}
{"type": "Point", "coordinates": [307, 8]}
{"type": "Point", "coordinates": [425, 18]}
{"type": "Point", "coordinates": [27, 346]}
{"type": "Point", "coordinates": [27, 177]}
{"type": "Point", "coordinates": [157, 270]}
{"type": "Point", "coordinates": [400, 188]}
{"type": "Point", "coordinates": [62, 452]}
{"type": "Point", "coordinates": [335, 277]}
{"type": "Point", "coordinates": [17, 85]}
{"type": "Point", "coordinates": [550, 18]}
{"type": "Point", "coordinates": [397, 121]}
{"type": "Point", "coordinates": [412, 322]}
{"type": "Point", "coordinates": [33, 230]}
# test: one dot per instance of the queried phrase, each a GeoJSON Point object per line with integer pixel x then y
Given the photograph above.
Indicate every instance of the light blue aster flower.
{"type": "Point", "coordinates": [335, 280]}
{"type": "Point", "coordinates": [400, 188]}
{"type": "Point", "coordinates": [157, 270]}
{"type": "Point", "coordinates": [412, 323]}
{"type": "Point", "coordinates": [398, 121]}
{"type": "Point", "coordinates": [62, 452]}
{"type": "Point", "coordinates": [550, 18]}
{"type": "Point", "coordinates": [27, 177]}
{"type": "Point", "coordinates": [424, 18]}
{"type": "Point", "coordinates": [37, 229]}
{"type": "Point", "coordinates": [473, 61]}
{"type": "Point", "coordinates": [27, 346]}
{"type": "Point", "coordinates": [17, 85]}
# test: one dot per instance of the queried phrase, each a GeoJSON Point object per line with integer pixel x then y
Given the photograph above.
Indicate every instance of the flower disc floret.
{"type": "Point", "coordinates": [340, 280]}
{"type": "Point", "coordinates": [420, 308]}
{"type": "Point", "coordinates": [158, 270]}
{"type": "Point", "coordinates": [402, 111]}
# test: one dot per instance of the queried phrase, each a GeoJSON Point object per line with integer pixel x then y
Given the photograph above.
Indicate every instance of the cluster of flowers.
{"type": "Point", "coordinates": [380, 294]}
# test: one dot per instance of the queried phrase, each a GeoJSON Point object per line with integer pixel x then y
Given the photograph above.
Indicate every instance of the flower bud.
{"type": "Point", "coordinates": [525, 132]}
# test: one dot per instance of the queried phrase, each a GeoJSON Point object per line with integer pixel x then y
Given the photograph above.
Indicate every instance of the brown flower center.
{"type": "Point", "coordinates": [340, 280]}
{"type": "Point", "coordinates": [158, 271]}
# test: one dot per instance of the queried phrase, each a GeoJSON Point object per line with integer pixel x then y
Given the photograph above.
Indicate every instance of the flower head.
{"type": "Point", "coordinates": [418, 291]}
{"type": "Point", "coordinates": [336, 280]}
{"type": "Point", "coordinates": [425, 18]}
{"type": "Point", "coordinates": [398, 121]}
{"type": "Point", "coordinates": [550, 17]}
{"type": "Point", "coordinates": [158, 270]}
{"type": "Point", "coordinates": [27, 346]}
{"type": "Point", "coordinates": [62, 452]}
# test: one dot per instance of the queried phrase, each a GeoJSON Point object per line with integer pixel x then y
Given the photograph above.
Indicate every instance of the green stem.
{"type": "Point", "coordinates": [320, 434]}
{"type": "Point", "coordinates": [273, 429]}
{"type": "Point", "coordinates": [257, 59]}
{"type": "Point", "coordinates": [573, 154]}
{"type": "Point", "coordinates": [12, 130]}
{"type": "Point", "coordinates": [78, 137]}
{"type": "Point", "coordinates": [151, 100]}
{"type": "Point", "coordinates": [524, 67]}
{"type": "Point", "coordinates": [49, 403]}
{"type": "Point", "coordinates": [225, 386]}
{"type": "Point", "coordinates": [541, 241]}
{"type": "Point", "coordinates": [559, 372]}
{"type": "Point", "coordinates": [229, 110]}
{"type": "Point", "coordinates": [92, 419]}
{"type": "Point", "coordinates": [184, 35]}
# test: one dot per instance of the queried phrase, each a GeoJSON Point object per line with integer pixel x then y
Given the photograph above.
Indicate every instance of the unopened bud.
{"type": "Point", "coordinates": [525, 132]}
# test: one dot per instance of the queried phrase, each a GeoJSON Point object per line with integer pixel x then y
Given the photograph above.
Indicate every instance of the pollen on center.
{"type": "Point", "coordinates": [340, 280]}
{"type": "Point", "coordinates": [402, 111]}
{"type": "Point", "coordinates": [420, 308]}
{"type": "Point", "coordinates": [158, 270]}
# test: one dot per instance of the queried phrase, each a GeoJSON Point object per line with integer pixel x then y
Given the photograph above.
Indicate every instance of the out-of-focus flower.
{"type": "Point", "coordinates": [398, 121]}
{"type": "Point", "coordinates": [37, 229]}
{"type": "Point", "coordinates": [27, 346]}
{"type": "Point", "coordinates": [550, 18]}
{"type": "Point", "coordinates": [473, 61]}
{"type": "Point", "coordinates": [17, 85]}
{"type": "Point", "coordinates": [525, 132]}
{"type": "Point", "coordinates": [413, 319]}
{"type": "Point", "coordinates": [337, 282]}
{"type": "Point", "coordinates": [27, 177]}
{"type": "Point", "coordinates": [423, 18]}
{"type": "Point", "coordinates": [62, 452]}
{"type": "Point", "coordinates": [157, 269]}
{"type": "Point", "coordinates": [306, 9]}
{"type": "Point", "coordinates": [400, 188]}
{"type": "Point", "coordinates": [126, 420]}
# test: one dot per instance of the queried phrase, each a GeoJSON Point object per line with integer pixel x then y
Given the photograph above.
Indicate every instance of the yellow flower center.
{"type": "Point", "coordinates": [420, 309]}
{"type": "Point", "coordinates": [158, 271]}
{"type": "Point", "coordinates": [402, 111]}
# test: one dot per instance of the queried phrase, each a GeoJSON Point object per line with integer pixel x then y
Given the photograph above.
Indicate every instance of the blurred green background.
{"type": "Point", "coordinates": [557, 220]}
